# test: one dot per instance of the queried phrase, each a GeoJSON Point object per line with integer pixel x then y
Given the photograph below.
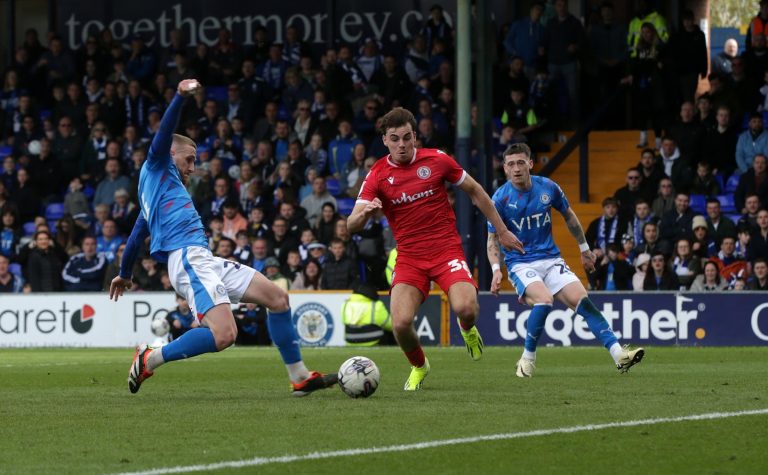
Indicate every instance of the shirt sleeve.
{"type": "Point", "coordinates": [369, 189]}
{"type": "Point", "coordinates": [559, 201]}
{"type": "Point", "coordinates": [450, 169]}
{"type": "Point", "coordinates": [138, 235]}
{"type": "Point", "coordinates": [160, 149]}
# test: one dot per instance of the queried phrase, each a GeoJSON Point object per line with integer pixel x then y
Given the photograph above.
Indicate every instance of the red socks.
{"type": "Point", "coordinates": [416, 357]}
{"type": "Point", "coordinates": [465, 326]}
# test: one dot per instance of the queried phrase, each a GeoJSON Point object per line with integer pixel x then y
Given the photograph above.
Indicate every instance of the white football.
{"type": "Point", "coordinates": [160, 327]}
{"type": "Point", "coordinates": [359, 377]}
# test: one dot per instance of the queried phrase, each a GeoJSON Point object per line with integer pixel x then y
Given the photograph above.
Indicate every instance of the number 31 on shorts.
{"type": "Point", "coordinates": [457, 265]}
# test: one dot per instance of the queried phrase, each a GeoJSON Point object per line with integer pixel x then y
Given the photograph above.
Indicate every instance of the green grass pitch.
{"type": "Point", "coordinates": [68, 411]}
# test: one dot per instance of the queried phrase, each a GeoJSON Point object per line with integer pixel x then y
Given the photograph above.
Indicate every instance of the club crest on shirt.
{"type": "Point", "coordinates": [391, 180]}
{"type": "Point", "coordinates": [545, 199]}
{"type": "Point", "coordinates": [530, 274]}
{"type": "Point", "coordinates": [423, 172]}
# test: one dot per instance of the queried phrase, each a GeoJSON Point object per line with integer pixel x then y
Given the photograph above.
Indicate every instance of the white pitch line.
{"type": "Point", "coordinates": [441, 443]}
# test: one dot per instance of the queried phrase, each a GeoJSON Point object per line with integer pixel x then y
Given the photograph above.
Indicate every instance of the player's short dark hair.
{"type": "Point", "coordinates": [518, 148]}
{"type": "Point", "coordinates": [397, 117]}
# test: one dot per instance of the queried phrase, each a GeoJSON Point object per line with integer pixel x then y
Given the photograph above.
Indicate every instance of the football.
{"type": "Point", "coordinates": [160, 327]}
{"type": "Point", "coordinates": [359, 377]}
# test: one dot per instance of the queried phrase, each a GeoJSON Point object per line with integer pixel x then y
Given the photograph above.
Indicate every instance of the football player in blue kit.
{"type": "Point", "coordinates": [540, 275]}
{"type": "Point", "coordinates": [210, 284]}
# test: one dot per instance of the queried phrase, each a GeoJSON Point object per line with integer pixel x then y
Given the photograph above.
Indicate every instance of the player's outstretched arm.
{"type": "Point", "coordinates": [361, 213]}
{"type": "Point", "coordinates": [494, 258]}
{"type": "Point", "coordinates": [481, 199]}
{"type": "Point", "coordinates": [574, 226]}
{"type": "Point", "coordinates": [161, 144]}
{"type": "Point", "coordinates": [123, 280]}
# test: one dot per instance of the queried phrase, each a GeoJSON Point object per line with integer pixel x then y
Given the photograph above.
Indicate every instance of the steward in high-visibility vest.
{"type": "Point", "coordinates": [636, 25]}
{"type": "Point", "coordinates": [366, 319]}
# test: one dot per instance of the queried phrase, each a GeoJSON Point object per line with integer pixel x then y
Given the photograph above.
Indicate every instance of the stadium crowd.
{"type": "Point", "coordinates": [286, 134]}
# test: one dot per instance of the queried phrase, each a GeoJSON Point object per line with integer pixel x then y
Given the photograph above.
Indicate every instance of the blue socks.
{"type": "Point", "coordinates": [192, 343]}
{"type": "Point", "coordinates": [535, 325]}
{"type": "Point", "coordinates": [284, 336]}
{"type": "Point", "coordinates": [596, 322]}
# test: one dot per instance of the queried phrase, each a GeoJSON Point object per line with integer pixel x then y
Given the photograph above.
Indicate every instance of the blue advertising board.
{"type": "Point", "coordinates": [648, 318]}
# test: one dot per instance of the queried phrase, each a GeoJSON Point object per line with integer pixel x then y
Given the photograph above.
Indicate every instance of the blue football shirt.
{"type": "Point", "coordinates": [528, 214]}
{"type": "Point", "coordinates": [165, 203]}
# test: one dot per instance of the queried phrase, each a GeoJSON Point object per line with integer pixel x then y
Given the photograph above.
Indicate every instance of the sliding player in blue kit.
{"type": "Point", "coordinates": [210, 284]}
{"type": "Point", "coordinates": [525, 204]}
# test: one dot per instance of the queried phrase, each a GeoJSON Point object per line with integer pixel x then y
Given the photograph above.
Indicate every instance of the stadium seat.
{"type": "Point", "coordinates": [727, 204]}
{"type": "Point", "coordinates": [699, 203]}
{"type": "Point", "coordinates": [29, 228]}
{"type": "Point", "coordinates": [45, 114]}
{"type": "Point", "coordinates": [333, 186]}
{"type": "Point", "coordinates": [54, 211]}
{"type": "Point", "coordinates": [731, 184]}
{"type": "Point", "coordinates": [720, 182]}
{"type": "Point", "coordinates": [345, 205]}
{"type": "Point", "coordinates": [217, 93]}
{"type": "Point", "coordinates": [735, 217]}
{"type": "Point", "coordinates": [15, 269]}
{"type": "Point", "coordinates": [52, 225]}
{"type": "Point", "coordinates": [5, 150]}
{"type": "Point", "coordinates": [384, 223]}
{"type": "Point", "coordinates": [89, 191]}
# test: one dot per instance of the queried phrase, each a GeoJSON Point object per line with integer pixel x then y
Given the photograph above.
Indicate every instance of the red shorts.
{"type": "Point", "coordinates": [445, 269]}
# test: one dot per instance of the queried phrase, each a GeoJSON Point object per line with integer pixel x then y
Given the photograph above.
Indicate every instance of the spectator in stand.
{"type": "Point", "coordinates": [141, 62]}
{"type": "Point", "coordinates": [10, 232]}
{"type": "Point", "coordinates": [326, 223]}
{"type": "Point", "coordinates": [296, 89]}
{"type": "Point", "coordinates": [297, 223]}
{"type": "Point", "coordinates": [84, 272]}
{"type": "Point", "coordinates": [341, 148]}
{"type": "Point", "coordinates": [113, 268]}
{"type": "Point", "coordinates": [370, 60]}
{"type": "Point", "coordinates": [525, 36]}
{"type": "Point", "coordinates": [274, 69]}
{"type": "Point", "coordinates": [645, 75]}
{"type": "Point", "coordinates": [113, 181]}
{"type": "Point", "coordinates": [353, 189]}
{"type": "Point", "coordinates": [752, 142]}
{"type": "Point", "coordinates": [225, 249]}
{"type": "Point", "coordinates": [730, 264]}
{"type": "Point", "coordinates": [563, 41]}
{"type": "Point", "coordinates": [316, 154]}
{"type": "Point", "coordinates": [339, 272]}
{"type": "Point", "coordinates": [688, 55]}
{"type": "Point", "coordinates": [417, 59]}
{"type": "Point", "coordinates": [710, 280]}
{"type": "Point", "coordinates": [607, 42]}
{"type": "Point", "coordinates": [665, 198]}
{"type": "Point", "coordinates": [9, 283]}
{"type": "Point", "coordinates": [677, 223]}
{"type": "Point", "coordinates": [436, 27]}
{"type": "Point", "coordinates": [148, 274]}
{"type": "Point", "coordinates": [256, 225]}
{"type": "Point", "coordinates": [718, 226]}
{"type": "Point", "coordinates": [705, 115]}
{"type": "Point", "coordinates": [683, 263]}
{"type": "Point", "coordinates": [758, 281]}
{"type": "Point", "coordinates": [515, 78]}
{"type": "Point", "coordinates": [281, 241]}
{"type": "Point", "coordinates": [109, 240]}
{"type": "Point", "coordinates": [260, 248]}
{"type": "Point", "coordinates": [8, 175]}
{"type": "Point", "coordinates": [26, 197]}
{"type": "Point", "coordinates": [182, 319]}
{"type": "Point", "coordinates": [742, 241]}
{"type": "Point", "coordinates": [641, 267]}
{"type": "Point", "coordinates": [364, 124]}
{"type": "Point", "coordinates": [702, 245]}
{"type": "Point", "coordinates": [758, 241]}
{"type": "Point", "coordinates": [613, 273]}
{"type": "Point", "coordinates": [637, 221]}
{"type": "Point", "coordinates": [43, 269]}
{"type": "Point", "coordinates": [307, 237]}
{"type": "Point", "coordinates": [676, 164]}
{"type": "Point", "coordinates": [704, 182]}
{"type": "Point", "coordinates": [651, 172]}
{"type": "Point", "coordinates": [310, 277]}
{"type": "Point", "coordinates": [272, 272]}
{"type": "Point", "coordinates": [243, 253]}
{"type": "Point", "coordinates": [292, 266]}
{"type": "Point", "coordinates": [628, 195]}
{"type": "Point", "coordinates": [652, 243]}
{"type": "Point", "coordinates": [659, 277]}
{"type": "Point", "coordinates": [56, 64]}
{"type": "Point", "coordinates": [719, 148]}
{"type": "Point", "coordinates": [688, 133]}
{"type": "Point", "coordinates": [234, 222]}
{"type": "Point", "coordinates": [607, 229]}
{"type": "Point", "coordinates": [315, 202]}
{"type": "Point", "coordinates": [752, 182]}
{"type": "Point", "coordinates": [68, 236]}
{"type": "Point", "coordinates": [391, 82]}
{"type": "Point", "coordinates": [721, 63]}
{"type": "Point", "coordinates": [304, 124]}
{"type": "Point", "coordinates": [752, 204]}
{"type": "Point", "coordinates": [66, 148]}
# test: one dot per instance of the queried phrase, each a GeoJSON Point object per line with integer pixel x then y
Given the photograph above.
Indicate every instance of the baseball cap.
{"type": "Point", "coordinates": [316, 245]}
{"type": "Point", "coordinates": [271, 262]}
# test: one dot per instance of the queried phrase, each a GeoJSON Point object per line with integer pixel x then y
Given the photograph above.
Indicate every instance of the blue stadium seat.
{"type": "Point", "coordinates": [29, 228]}
{"type": "Point", "coordinates": [54, 211]}
{"type": "Point", "coordinates": [5, 150]}
{"type": "Point", "coordinates": [217, 93]}
{"type": "Point", "coordinates": [15, 269]}
{"type": "Point", "coordinates": [720, 182]}
{"type": "Point", "coordinates": [727, 204]}
{"type": "Point", "coordinates": [699, 203]}
{"type": "Point", "coordinates": [384, 223]}
{"type": "Point", "coordinates": [735, 217]}
{"type": "Point", "coordinates": [731, 184]}
{"type": "Point", "coordinates": [333, 186]}
{"type": "Point", "coordinates": [89, 191]}
{"type": "Point", "coordinates": [52, 225]}
{"type": "Point", "coordinates": [345, 205]}
{"type": "Point", "coordinates": [44, 114]}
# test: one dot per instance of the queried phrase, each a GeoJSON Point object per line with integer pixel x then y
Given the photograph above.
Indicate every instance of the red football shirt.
{"type": "Point", "coordinates": [415, 202]}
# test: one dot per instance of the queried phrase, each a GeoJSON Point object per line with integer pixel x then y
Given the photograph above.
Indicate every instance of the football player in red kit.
{"type": "Point", "coordinates": [408, 185]}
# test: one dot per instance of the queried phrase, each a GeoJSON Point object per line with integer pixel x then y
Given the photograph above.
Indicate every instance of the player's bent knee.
{"type": "Point", "coordinates": [278, 302]}
{"type": "Point", "coordinates": [402, 325]}
{"type": "Point", "coordinates": [467, 310]}
{"type": "Point", "coordinates": [225, 336]}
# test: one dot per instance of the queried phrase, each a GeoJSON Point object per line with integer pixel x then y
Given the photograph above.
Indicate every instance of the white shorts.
{"type": "Point", "coordinates": [554, 273]}
{"type": "Point", "coordinates": [206, 280]}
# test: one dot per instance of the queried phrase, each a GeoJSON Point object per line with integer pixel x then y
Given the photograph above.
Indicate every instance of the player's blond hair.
{"type": "Point", "coordinates": [184, 140]}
